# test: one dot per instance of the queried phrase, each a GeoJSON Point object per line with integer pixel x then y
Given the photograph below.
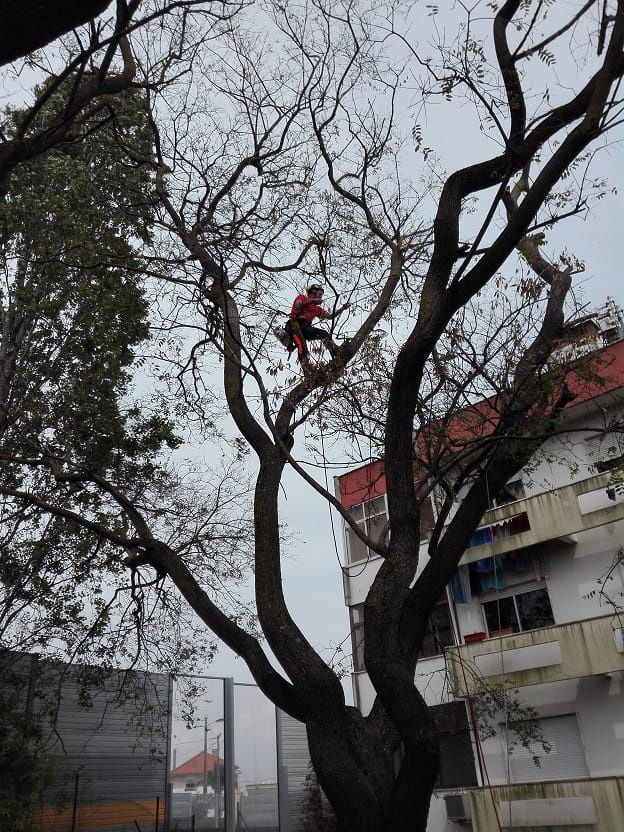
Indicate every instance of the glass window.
{"type": "Point", "coordinates": [509, 493]}
{"type": "Point", "coordinates": [427, 521]}
{"type": "Point", "coordinates": [357, 549]}
{"type": "Point", "coordinates": [372, 518]}
{"type": "Point", "coordinates": [534, 609]}
{"type": "Point", "coordinates": [357, 636]}
{"type": "Point", "coordinates": [515, 613]}
{"type": "Point", "coordinates": [501, 615]}
{"type": "Point", "coordinates": [439, 632]}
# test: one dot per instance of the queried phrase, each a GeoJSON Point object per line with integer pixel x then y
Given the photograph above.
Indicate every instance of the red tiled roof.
{"type": "Point", "coordinates": [195, 765]}
{"type": "Point", "coordinates": [601, 373]}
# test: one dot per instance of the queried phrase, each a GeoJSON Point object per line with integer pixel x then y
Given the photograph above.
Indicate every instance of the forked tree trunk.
{"type": "Point", "coordinates": [369, 789]}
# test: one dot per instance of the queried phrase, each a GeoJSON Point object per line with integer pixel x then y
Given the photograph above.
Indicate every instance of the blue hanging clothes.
{"type": "Point", "coordinates": [494, 580]}
{"type": "Point", "coordinates": [460, 585]}
{"type": "Point", "coordinates": [494, 564]}
{"type": "Point", "coordinates": [490, 573]}
{"type": "Point", "coordinates": [480, 536]}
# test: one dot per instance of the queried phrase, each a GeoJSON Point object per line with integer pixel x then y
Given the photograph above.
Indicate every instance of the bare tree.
{"type": "Point", "coordinates": [280, 162]}
{"type": "Point", "coordinates": [89, 65]}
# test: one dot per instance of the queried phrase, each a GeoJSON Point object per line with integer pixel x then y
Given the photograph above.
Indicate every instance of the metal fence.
{"type": "Point", "coordinates": [86, 751]}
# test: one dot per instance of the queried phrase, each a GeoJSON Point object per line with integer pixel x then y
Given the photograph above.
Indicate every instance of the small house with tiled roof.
{"type": "Point", "coordinates": [189, 775]}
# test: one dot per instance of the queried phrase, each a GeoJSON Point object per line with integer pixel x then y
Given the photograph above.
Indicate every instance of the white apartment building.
{"type": "Point", "coordinates": [536, 605]}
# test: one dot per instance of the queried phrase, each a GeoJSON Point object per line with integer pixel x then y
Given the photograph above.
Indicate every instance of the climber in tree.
{"type": "Point", "coordinates": [304, 310]}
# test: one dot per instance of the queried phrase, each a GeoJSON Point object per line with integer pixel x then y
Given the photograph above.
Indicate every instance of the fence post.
{"type": "Point", "coordinates": [228, 753]}
{"type": "Point", "coordinates": [157, 812]}
{"type": "Point", "coordinates": [75, 806]}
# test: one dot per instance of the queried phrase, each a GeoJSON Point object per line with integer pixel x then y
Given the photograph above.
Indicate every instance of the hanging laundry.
{"type": "Point", "coordinates": [480, 536]}
{"type": "Point", "coordinates": [488, 564]}
{"type": "Point", "coordinates": [519, 523]}
{"type": "Point", "coordinates": [495, 580]}
{"type": "Point", "coordinates": [501, 530]}
{"type": "Point", "coordinates": [461, 592]}
{"type": "Point", "coordinates": [490, 573]}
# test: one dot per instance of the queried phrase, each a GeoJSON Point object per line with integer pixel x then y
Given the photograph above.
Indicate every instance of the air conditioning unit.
{"type": "Point", "coordinates": [457, 808]}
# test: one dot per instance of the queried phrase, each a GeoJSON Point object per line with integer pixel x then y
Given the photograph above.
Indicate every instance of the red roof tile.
{"type": "Point", "coordinates": [600, 373]}
{"type": "Point", "coordinates": [195, 765]}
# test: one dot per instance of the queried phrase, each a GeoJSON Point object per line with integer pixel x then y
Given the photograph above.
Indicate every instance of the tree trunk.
{"type": "Point", "coordinates": [370, 788]}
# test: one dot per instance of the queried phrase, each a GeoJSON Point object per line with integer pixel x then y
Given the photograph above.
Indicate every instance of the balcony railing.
{"type": "Point", "coordinates": [567, 804]}
{"type": "Point", "coordinates": [549, 654]}
{"type": "Point", "coordinates": [551, 515]}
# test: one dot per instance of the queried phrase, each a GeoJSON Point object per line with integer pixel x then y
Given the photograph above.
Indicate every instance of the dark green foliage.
{"type": "Point", "coordinates": [73, 303]}
{"type": "Point", "coordinates": [74, 314]}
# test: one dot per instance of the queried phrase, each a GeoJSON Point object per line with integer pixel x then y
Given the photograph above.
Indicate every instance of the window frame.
{"type": "Point", "coordinates": [513, 594]}
{"type": "Point", "coordinates": [366, 516]}
{"type": "Point", "coordinates": [357, 637]}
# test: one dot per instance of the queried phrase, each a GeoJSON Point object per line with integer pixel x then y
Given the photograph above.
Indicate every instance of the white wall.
{"type": "Point", "coordinates": [598, 703]}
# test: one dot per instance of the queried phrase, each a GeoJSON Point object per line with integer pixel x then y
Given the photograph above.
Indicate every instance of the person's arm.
{"type": "Point", "coordinates": [331, 315]}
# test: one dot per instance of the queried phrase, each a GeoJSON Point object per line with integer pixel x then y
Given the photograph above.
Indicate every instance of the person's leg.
{"type": "Point", "coordinates": [298, 337]}
{"type": "Point", "coordinates": [316, 333]}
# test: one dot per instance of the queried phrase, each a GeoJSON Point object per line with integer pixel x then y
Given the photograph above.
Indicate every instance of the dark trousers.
{"type": "Point", "coordinates": [302, 331]}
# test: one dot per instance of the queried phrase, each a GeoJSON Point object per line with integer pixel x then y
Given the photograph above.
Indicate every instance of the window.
{"type": "Point", "coordinates": [509, 493]}
{"type": "Point", "coordinates": [427, 520]}
{"type": "Point", "coordinates": [371, 517]}
{"type": "Point", "coordinates": [515, 613]}
{"type": "Point", "coordinates": [605, 451]}
{"type": "Point", "coordinates": [439, 632]}
{"type": "Point", "coordinates": [189, 786]}
{"type": "Point", "coordinates": [356, 614]}
{"type": "Point", "coordinates": [438, 635]}
{"type": "Point", "coordinates": [564, 760]}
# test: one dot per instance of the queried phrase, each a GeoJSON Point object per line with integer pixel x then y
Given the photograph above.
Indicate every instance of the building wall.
{"type": "Point", "coordinates": [571, 567]}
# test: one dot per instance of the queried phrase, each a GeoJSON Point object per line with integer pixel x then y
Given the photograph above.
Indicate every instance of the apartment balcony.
{"type": "Point", "coordinates": [552, 515]}
{"type": "Point", "coordinates": [549, 654]}
{"type": "Point", "coordinates": [596, 805]}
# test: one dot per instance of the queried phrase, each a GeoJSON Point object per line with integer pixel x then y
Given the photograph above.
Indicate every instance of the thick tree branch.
{"type": "Point", "coordinates": [30, 24]}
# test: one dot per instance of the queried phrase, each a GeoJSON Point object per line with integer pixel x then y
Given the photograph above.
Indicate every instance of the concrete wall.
{"type": "Point", "coordinates": [578, 806]}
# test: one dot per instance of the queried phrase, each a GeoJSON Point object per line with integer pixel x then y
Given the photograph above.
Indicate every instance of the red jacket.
{"type": "Point", "coordinates": [308, 312]}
